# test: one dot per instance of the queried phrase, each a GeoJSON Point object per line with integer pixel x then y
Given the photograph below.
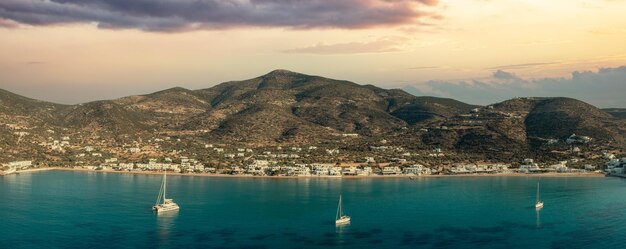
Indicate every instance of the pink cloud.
{"type": "Point", "coordinates": [182, 15]}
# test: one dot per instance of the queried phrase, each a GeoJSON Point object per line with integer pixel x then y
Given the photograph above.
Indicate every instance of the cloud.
{"type": "Point", "coordinates": [505, 76]}
{"type": "Point", "coordinates": [183, 15]}
{"type": "Point", "coordinates": [4, 23]}
{"type": "Point", "coordinates": [378, 46]}
{"type": "Point", "coordinates": [604, 88]}
{"type": "Point", "coordinates": [519, 66]}
{"type": "Point", "coordinates": [424, 68]}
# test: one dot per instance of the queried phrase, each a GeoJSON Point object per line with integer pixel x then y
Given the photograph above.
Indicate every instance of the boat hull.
{"type": "Point", "coordinates": [539, 205]}
{"type": "Point", "coordinates": [165, 208]}
{"type": "Point", "coordinates": [342, 221]}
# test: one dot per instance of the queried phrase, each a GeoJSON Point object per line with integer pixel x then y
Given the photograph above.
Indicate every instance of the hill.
{"type": "Point", "coordinates": [284, 107]}
{"type": "Point", "coordinates": [524, 126]}
{"type": "Point", "coordinates": [616, 112]}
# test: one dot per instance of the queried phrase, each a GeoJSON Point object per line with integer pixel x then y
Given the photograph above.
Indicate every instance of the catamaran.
{"type": "Point", "coordinates": [168, 204]}
{"type": "Point", "coordinates": [538, 203]}
{"type": "Point", "coordinates": [341, 218]}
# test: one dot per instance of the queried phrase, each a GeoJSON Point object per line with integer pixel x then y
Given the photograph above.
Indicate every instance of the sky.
{"type": "Point", "coordinates": [477, 51]}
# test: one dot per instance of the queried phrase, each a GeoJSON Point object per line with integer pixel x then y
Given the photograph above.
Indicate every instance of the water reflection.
{"type": "Point", "coordinates": [165, 223]}
{"type": "Point", "coordinates": [538, 218]}
{"type": "Point", "coordinates": [342, 231]}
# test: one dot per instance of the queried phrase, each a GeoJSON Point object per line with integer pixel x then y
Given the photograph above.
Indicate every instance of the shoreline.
{"type": "Point", "coordinates": [589, 174]}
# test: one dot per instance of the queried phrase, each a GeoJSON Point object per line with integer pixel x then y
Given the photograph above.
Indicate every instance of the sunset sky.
{"type": "Point", "coordinates": [478, 51]}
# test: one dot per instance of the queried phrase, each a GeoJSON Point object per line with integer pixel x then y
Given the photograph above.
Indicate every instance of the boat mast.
{"type": "Point", "coordinates": [160, 194]}
{"type": "Point", "coordinates": [339, 209]}
{"type": "Point", "coordinates": [537, 192]}
{"type": "Point", "coordinates": [164, 184]}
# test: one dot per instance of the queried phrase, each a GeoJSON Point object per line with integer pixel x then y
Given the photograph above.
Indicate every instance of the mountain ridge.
{"type": "Point", "coordinates": [284, 107]}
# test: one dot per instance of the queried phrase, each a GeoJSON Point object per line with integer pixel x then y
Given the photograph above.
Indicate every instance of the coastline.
{"type": "Point", "coordinates": [588, 174]}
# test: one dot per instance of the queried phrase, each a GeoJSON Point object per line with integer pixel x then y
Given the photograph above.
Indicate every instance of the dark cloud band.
{"type": "Point", "coordinates": [604, 88]}
{"type": "Point", "coordinates": [181, 15]}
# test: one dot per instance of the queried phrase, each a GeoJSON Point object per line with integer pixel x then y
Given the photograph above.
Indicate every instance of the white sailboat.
{"type": "Point", "coordinates": [538, 203]}
{"type": "Point", "coordinates": [341, 218]}
{"type": "Point", "coordinates": [167, 204]}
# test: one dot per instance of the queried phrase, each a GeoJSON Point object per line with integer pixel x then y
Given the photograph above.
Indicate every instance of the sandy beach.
{"type": "Point", "coordinates": [589, 174]}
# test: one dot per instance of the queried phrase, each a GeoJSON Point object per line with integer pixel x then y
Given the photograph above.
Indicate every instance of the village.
{"type": "Point", "coordinates": [379, 158]}
{"type": "Point", "coordinates": [269, 164]}
{"type": "Point", "coordinates": [272, 168]}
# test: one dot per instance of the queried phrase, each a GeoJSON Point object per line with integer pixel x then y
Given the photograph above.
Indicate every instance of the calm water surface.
{"type": "Point", "coordinates": [60, 209]}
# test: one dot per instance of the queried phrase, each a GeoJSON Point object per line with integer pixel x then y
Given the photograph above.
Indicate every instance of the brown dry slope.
{"type": "Point", "coordinates": [289, 107]}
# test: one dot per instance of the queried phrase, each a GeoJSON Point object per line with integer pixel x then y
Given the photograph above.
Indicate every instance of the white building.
{"type": "Point", "coordinates": [578, 139]}
{"type": "Point", "coordinates": [350, 135]}
{"type": "Point", "coordinates": [134, 150]}
{"type": "Point", "coordinates": [365, 171]}
{"type": "Point", "coordinates": [126, 166]}
{"type": "Point", "coordinates": [301, 171]}
{"type": "Point", "coordinates": [260, 163]}
{"type": "Point", "coordinates": [335, 171]}
{"type": "Point", "coordinates": [389, 170]}
{"type": "Point", "coordinates": [350, 171]}
{"type": "Point", "coordinates": [416, 169]}
{"type": "Point", "coordinates": [20, 164]}
{"type": "Point", "coordinates": [332, 151]}
{"type": "Point", "coordinates": [616, 166]}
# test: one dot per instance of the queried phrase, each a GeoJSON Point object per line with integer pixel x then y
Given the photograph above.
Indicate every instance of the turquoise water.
{"type": "Point", "coordinates": [60, 209]}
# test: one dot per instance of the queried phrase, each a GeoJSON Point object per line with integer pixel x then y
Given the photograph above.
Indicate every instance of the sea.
{"type": "Point", "coordinates": [69, 209]}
